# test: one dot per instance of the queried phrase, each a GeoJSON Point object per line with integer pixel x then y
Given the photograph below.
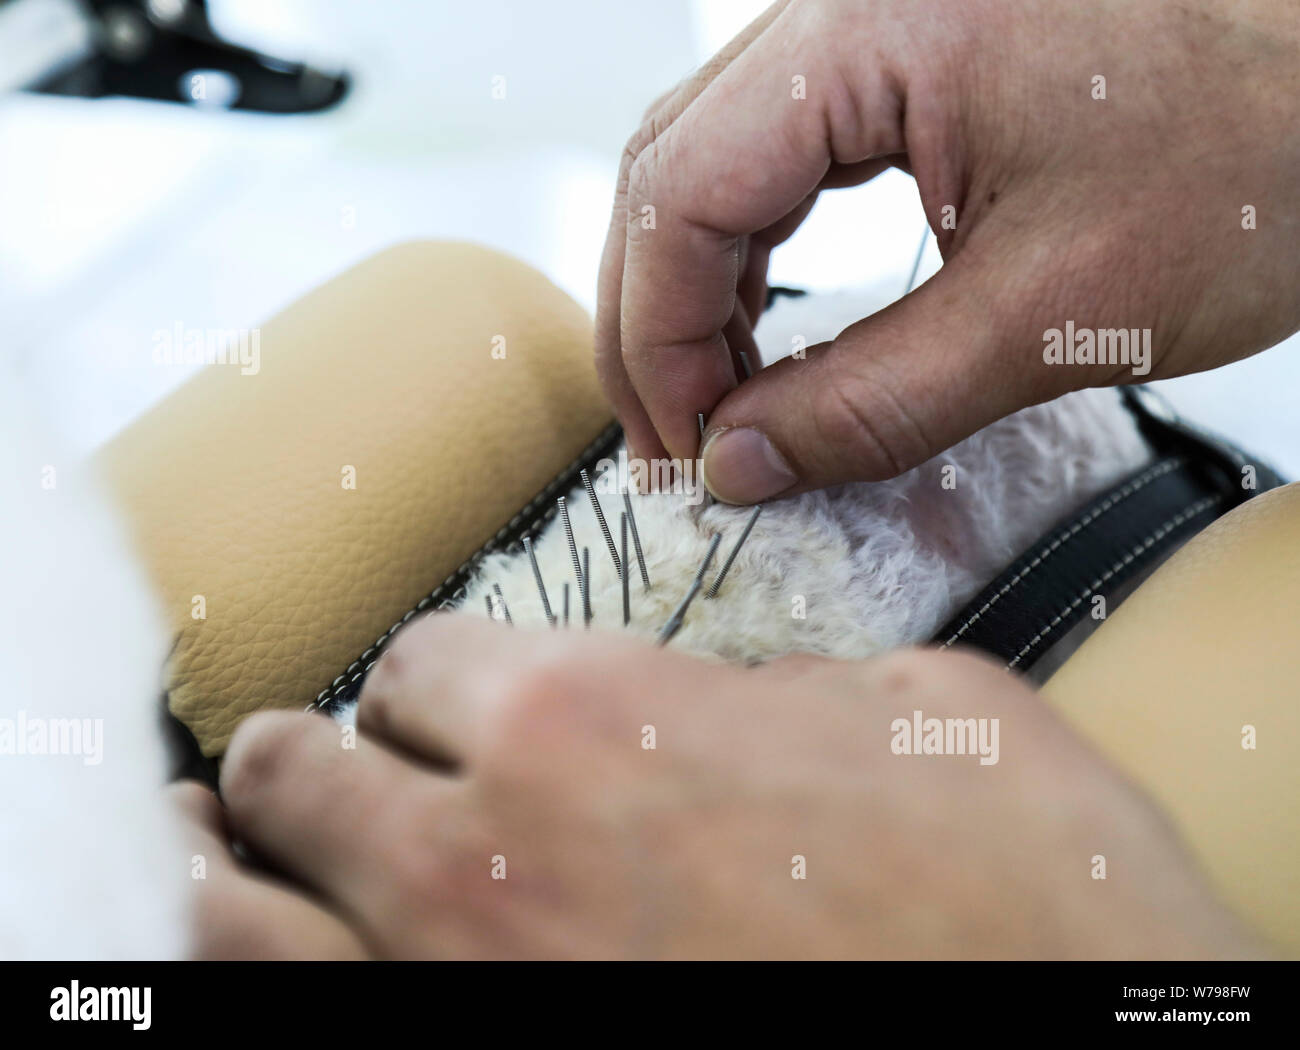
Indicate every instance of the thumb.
{"type": "Point", "coordinates": [887, 394]}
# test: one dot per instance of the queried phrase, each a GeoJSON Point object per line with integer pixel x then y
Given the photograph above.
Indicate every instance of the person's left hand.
{"type": "Point", "coordinates": [562, 794]}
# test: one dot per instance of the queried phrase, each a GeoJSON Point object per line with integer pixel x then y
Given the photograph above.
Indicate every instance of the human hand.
{"type": "Point", "coordinates": [1050, 205]}
{"type": "Point", "coordinates": [487, 752]}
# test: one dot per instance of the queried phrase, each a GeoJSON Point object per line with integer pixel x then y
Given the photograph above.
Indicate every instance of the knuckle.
{"type": "Point", "coordinates": [658, 119]}
{"type": "Point", "coordinates": [848, 427]}
{"type": "Point", "coordinates": [548, 686]}
{"type": "Point", "coordinates": [929, 672]}
{"type": "Point", "coordinates": [861, 422]}
{"type": "Point", "coordinates": [375, 704]}
{"type": "Point", "coordinates": [636, 145]}
{"type": "Point", "coordinates": [375, 709]}
{"type": "Point", "coordinates": [906, 671]}
{"type": "Point", "coordinates": [398, 654]}
{"type": "Point", "coordinates": [659, 104]}
{"type": "Point", "coordinates": [543, 703]}
{"type": "Point", "coordinates": [394, 670]}
{"type": "Point", "coordinates": [642, 174]}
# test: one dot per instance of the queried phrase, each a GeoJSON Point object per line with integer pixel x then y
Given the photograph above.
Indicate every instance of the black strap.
{"type": "Point", "coordinates": [1122, 534]}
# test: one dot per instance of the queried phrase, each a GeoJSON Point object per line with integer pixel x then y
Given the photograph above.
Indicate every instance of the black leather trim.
{"type": "Point", "coordinates": [1122, 534]}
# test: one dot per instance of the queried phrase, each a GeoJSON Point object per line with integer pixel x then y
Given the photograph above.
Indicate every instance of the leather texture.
{"type": "Point", "coordinates": [234, 485]}
{"type": "Point", "coordinates": [1208, 645]}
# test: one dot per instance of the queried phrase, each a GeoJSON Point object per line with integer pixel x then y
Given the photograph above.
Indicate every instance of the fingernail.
{"type": "Point", "coordinates": [742, 466]}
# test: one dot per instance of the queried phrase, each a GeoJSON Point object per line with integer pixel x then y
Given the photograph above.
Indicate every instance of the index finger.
{"type": "Point", "coordinates": [609, 363]}
{"type": "Point", "coordinates": [746, 153]}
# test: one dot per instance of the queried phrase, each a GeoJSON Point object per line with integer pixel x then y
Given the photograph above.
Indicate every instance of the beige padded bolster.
{"type": "Point", "coordinates": [1209, 646]}
{"type": "Point", "coordinates": [237, 484]}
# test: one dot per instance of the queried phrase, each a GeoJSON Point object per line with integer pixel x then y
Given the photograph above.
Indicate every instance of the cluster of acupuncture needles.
{"type": "Point", "coordinates": [497, 609]}
{"type": "Point", "coordinates": [581, 566]}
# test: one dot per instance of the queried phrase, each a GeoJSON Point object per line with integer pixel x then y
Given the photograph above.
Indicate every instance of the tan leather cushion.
{"type": "Point", "coordinates": [1208, 645]}
{"type": "Point", "coordinates": [234, 483]}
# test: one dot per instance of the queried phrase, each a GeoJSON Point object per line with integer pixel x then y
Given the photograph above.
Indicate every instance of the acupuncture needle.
{"type": "Point", "coordinates": [600, 518]}
{"type": "Point", "coordinates": [744, 363]}
{"type": "Point", "coordinates": [636, 542]}
{"type": "Point", "coordinates": [920, 254]}
{"type": "Point", "coordinates": [505, 609]}
{"type": "Point", "coordinates": [675, 621]}
{"type": "Point", "coordinates": [541, 587]}
{"type": "Point", "coordinates": [586, 589]}
{"type": "Point", "coordinates": [566, 603]}
{"type": "Point", "coordinates": [726, 566]}
{"type": "Point", "coordinates": [568, 534]}
{"type": "Point", "coordinates": [627, 604]}
{"type": "Point", "coordinates": [708, 498]}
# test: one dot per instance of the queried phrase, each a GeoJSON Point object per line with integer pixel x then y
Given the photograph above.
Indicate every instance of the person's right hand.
{"type": "Point", "coordinates": [1117, 212]}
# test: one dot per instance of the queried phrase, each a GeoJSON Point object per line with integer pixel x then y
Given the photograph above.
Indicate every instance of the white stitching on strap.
{"type": "Point", "coordinates": [1199, 507]}
{"type": "Point", "coordinates": [1137, 484]}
